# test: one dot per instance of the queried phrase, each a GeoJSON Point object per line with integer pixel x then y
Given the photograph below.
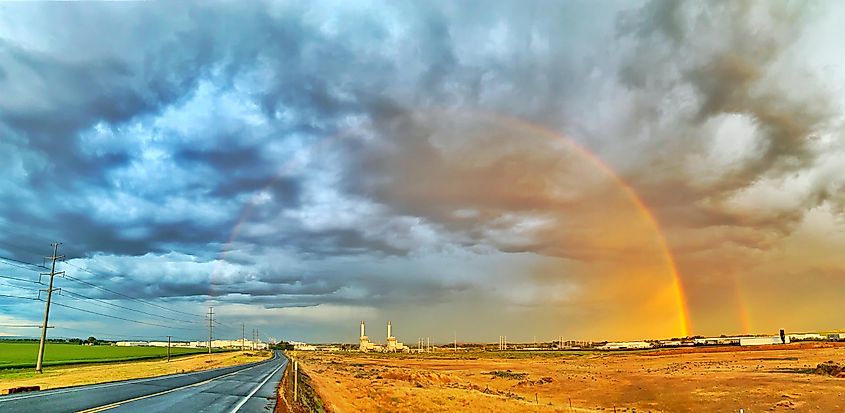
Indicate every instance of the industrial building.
{"type": "Point", "coordinates": [626, 345]}
{"type": "Point", "coordinates": [717, 341]}
{"type": "Point", "coordinates": [836, 336]}
{"type": "Point", "coordinates": [807, 337]}
{"type": "Point", "coordinates": [228, 344]}
{"type": "Point", "coordinates": [762, 341]}
{"type": "Point", "coordinates": [391, 346]}
{"type": "Point", "coordinates": [303, 346]}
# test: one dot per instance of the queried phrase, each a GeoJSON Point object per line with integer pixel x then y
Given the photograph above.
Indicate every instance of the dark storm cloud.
{"type": "Point", "coordinates": [52, 97]}
{"type": "Point", "coordinates": [242, 170]}
{"type": "Point", "coordinates": [246, 134]}
{"type": "Point", "coordinates": [321, 78]}
{"type": "Point", "coordinates": [738, 59]}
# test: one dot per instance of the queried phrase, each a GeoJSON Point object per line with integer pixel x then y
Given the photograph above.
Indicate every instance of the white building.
{"type": "Point", "coordinates": [231, 344]}
{"type": "Point", "coordinates": [807, 337]}
{"type": "Point", "coordinates": [626, 345]}
{"type": "Point", "coordinates": [760, 341]}
{"type": "Point", "coordinates": [131, 343]}
{"type": "Point", "coordinates": [304, 347]}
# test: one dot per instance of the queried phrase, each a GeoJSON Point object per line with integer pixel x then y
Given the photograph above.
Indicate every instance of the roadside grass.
{"type": "Point", "coordinates": [23, 355]}
{"type": "Point", "coordinates": [91, 373]}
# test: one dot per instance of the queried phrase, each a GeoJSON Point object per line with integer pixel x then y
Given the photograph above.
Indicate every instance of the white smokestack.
{"type": "Point", "coordinates": [388, 329]}
{"type": "Point", "coordinates": [362, 329]}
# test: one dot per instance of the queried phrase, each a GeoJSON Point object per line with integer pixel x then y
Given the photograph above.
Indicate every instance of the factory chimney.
{"type": "Point", "coordinates": [388, 329]}
{"type": "Point", "coordinates": [363, 331]}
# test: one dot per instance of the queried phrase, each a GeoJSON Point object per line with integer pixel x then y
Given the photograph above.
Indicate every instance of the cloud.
{"type": "Point", "coordinates": [378, 158]}
{"type": "Point", "coordinates": [719, 64]}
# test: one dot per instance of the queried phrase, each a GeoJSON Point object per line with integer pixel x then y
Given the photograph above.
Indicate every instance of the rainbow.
{"type": "Point", "coordinates": [680, 299]}
{"type": "Point", "coordinates": [742, 309]}
{"type": "Point", "coordinates": [677, 284]}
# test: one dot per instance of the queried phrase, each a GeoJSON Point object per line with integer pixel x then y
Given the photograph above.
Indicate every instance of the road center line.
{"type": "Point", "coordinates": [116, 404]}
{"type": "Point", "coordinates": [104, 385]}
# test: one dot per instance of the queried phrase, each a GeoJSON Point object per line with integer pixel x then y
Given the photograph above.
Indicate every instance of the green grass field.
{"type": "Point", "coordinates": [23, 355]}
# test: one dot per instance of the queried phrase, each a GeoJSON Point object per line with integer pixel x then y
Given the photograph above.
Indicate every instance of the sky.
{"type": "Point", "coordinates": [592, 170]}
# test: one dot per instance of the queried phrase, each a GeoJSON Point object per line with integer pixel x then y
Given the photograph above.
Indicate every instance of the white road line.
{"type": "Point", "coordinates": [99, 386]}
{"type": "Point", "coordinates": [239, 405]}
{"type": "Point", "coordinates": [92, 387]}
{"type": "Point", "coordinates": [116, 404]}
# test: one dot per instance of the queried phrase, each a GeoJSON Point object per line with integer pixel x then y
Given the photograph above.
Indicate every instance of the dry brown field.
{"type": "Point", "coordinates": [64, 376]}
{"type": "Point", "coordinates": [727, 379]}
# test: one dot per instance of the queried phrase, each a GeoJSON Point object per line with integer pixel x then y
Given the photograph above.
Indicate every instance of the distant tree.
{"type": "Point", "coordinates": [283, 345]}
{"type": "Point", "coordinates": [92, 340]}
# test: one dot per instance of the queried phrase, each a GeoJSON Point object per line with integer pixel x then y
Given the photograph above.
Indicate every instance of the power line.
{"type": "Point", "coordinates": [127, 336]}
{"type": "Point", "coordinates": [99, 304]}
{"type": "Point", "coordinates": [121, 294]}
{"type": "Point", "coordinates": [12, 262]}
{"type": "Point", "coordinates": [18, 287]}
{"type": "Point", "coordinates": [119, 318]}
{"type": "Point", "coordinates": [19, 279]}
{"type": "Point", "coordinates": [17, 296]}
{"type": "Point", "coordinates": [94, 285]}
{"type": "Point", "coordinates": [85, 297]}
{"type": "Point", "coordinates": [21, 264]}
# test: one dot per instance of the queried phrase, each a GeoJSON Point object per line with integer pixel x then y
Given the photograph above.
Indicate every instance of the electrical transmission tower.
{"type": "Point", "coordinates": [50, 289]}
{"type": "Point", "coordinates": [210, 328]}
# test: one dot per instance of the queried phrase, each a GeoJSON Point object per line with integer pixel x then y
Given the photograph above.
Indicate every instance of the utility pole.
{"type": "Point", "coordinates": [243, 329]}
{"type": "Point", "coordinates": [52, 273]}
{"type": "Point", "coordinates": [168, 348]}
{"type": "Point", "coordinates": [210, 328]}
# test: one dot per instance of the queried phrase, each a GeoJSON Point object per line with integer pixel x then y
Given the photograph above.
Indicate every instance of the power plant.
{"type": "Point", "coordinates": [391, 346]}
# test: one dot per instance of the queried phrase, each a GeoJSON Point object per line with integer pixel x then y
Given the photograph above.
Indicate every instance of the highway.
{"type": "Point", "coordinates": [246, 388]}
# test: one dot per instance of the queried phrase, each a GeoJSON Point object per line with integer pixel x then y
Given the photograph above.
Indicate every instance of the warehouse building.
{"type": "Point", "coordinates": [762, 341]}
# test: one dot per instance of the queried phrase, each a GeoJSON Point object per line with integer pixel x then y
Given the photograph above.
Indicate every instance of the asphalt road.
{"type": "Point", "coordinates": [247, 388]}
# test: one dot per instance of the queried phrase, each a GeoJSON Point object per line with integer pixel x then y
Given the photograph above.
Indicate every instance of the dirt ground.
{"type": "Point", "coordinates": [63, 376]}
{"type": "Point", "coordinates": [774, 378]}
